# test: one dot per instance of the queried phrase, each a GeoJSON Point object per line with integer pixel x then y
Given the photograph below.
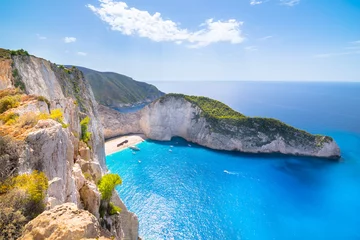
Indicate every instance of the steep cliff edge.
{"type": "Point", "coordinates": [43, 117]}
{"type": "Point", "coordinates": [212, 124]}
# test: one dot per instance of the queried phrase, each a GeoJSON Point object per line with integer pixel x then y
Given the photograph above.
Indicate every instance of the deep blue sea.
{"type": "Point", "coordinates": [197, 193]}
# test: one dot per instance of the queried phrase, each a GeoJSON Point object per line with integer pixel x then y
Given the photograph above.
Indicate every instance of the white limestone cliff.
{"type": "Point", "coordinates": [72, 168]}
{"type": "Point", "coordinates": [173, 115]}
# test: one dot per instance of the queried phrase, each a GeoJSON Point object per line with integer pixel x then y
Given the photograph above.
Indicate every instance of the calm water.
{"type": "Point", "coordinates": [197, 193]}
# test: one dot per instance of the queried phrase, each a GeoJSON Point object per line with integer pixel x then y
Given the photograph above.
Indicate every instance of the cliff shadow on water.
{"type": "Point", "coordinates": [181, 142]}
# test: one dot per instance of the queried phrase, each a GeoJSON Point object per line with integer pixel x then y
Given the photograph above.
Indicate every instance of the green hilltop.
{"type": "Point", "coordinates": [114, 90]}
{"type": "Point", "coordinates": [220, 117]}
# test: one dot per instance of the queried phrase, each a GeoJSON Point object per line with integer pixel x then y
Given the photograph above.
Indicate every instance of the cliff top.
{"type": "Point", "coordinates": [219, 115]}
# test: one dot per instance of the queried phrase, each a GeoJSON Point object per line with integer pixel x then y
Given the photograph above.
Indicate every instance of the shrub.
{"type": "Point", "coordinates": [11, 223]}
{"type": "Point", "coordinates": [113, 209]}
{"type": "Point", "coordinates": [9, 158]}
{"type": "Point", "coordinates": [22, 201]}
{"type": "Point", "coordinates": [107, 185]}
{"type": "Point", "coordinates": [34, 184]}
{"type": "Point", "coordinates": [28, 120]}
{"type": "Point", "coordinates": [9, 92]}
{"type": "Point", "coordinates": [20, 52]}
{"type": "Point", "coordinates": [85, 135]}
{"type": "Point", "coordinates": [44, 99]}
{"type": "Point", "coordinates": [56, 115]}
{"type": "Point", "coordinates": [9, 118]}
{"type": "Point", "coordinates": [9, 102]}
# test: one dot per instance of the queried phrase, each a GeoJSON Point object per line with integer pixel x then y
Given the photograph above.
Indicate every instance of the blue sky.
{"type": "Point", "coordinates": [192, 40]}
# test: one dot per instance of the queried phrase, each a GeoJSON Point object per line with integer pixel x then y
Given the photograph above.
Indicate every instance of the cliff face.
{"type": "Point", "coordinates": [72, 166]}
{"type": "Point", "coordinates": [178, 115]}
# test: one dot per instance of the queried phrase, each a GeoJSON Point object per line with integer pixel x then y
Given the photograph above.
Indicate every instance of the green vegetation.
{"type": "Point", "coordinates": [20, 52]}
{"type": "Point", "coordinates": [8, 102]}
{"type": "Point", "coordinates": [44, 99]}
{"type": "Point", "coordinates": [222, 119]}
{"type": "Point", "coordinates": [9, 157]}
{"type": "Point", "coordinates": [107, 185]}
{"type": "Point", "coordinates": [112, 210]}
{"type": "Point", "coordinates": [55, 114]}
{"type": "Point", "coordinates": [112, 89]}
{"type": "Point", "coordinates": [9, 118]}
{"type": "Point", "coordinates": [67, 70]}
{"type": "Point", "coordinates": [18, 83]}
{"type": "Point", "coordinates": [4, 53]}
{"type": "Point", "coordinates": [21, 200]}
{"type": "Point", "coordinates": [85, 134]}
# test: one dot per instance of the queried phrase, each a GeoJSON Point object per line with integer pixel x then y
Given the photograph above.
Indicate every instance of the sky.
{"type": "Point", "coordinates": [192, 40]}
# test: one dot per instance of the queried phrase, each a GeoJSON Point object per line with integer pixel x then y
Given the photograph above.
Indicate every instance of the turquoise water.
{"type": "Point", "coordinates": [197, 193]}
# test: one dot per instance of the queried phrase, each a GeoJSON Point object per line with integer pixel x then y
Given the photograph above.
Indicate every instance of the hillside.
{"type": "Point", "coordinates": [213, 124]}
{"type": "Point", "coordinates": [117, 90]}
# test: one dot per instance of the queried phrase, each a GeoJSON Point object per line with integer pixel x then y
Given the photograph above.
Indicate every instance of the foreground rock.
{"type": "Point", "coordinates": [56, 145]}
{"type": "Point", "coordinates": [65, 221]}
{"type": "Point", "coordinates": [213, 124]}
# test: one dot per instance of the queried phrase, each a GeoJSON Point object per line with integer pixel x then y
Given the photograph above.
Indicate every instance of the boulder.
{"type": "Point", "coordinates": [63, 222]}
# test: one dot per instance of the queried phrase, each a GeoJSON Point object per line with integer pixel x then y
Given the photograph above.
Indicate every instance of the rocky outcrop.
{"type": "Point", "coordinates": [116, 123]}
{"type": "Point", "coordinates": [177, 115]}
{"type": "Point", "coordinates": [55, 147]}
{"type": "Point", "coordinates": [63, 222]}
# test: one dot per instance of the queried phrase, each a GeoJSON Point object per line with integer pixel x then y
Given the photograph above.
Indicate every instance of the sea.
{"type": "Point", "coordinates": [180, 190]}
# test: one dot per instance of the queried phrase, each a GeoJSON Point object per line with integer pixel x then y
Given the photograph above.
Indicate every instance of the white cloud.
{"type": "Point", "coordinates": [290, 3]}
{"type": "Point", "coordinates": [69, 39]}
{"type": "Point", "coordinates": [356, 42]}
{"type": "Point", "coordinates": [255, 2]}
{"type": "Point", "coordinates": [251, 48]}
{"type": "Point", "coordinates": [265, 38]}
{"type": "Point", "coordinates": [132, 21]}
{"type": "Point", "coordinates": [41, 37]}
{"type": "Point", "coordinates": [81, 53]}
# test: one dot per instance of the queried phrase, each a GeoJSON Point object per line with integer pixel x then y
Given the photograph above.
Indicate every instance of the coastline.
{"type": "Point", "coordinates": [133, 139]}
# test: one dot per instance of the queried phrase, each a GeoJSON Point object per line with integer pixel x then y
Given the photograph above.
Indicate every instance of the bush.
{"type": "Point", "coordinates": [20, 52]}
{"type": "Point", "coordinates": [107, 185]}
{"type": "Point", "coordinates": [11, 223]}
{"type": "Point", "coordinates": [9, 118]}
{"type": "Point", "coordinates": [56, 115]}
{"type": "Point", "coordinates": [9, 92]}
{"type": "Point", "coordinates": [44, 99]}
{"type": "Point", "coordinates": [9, 158]}
{"type": "Point", "coordinates": [9, 102]}
{"type": "Point", "coordinates": [22, 201]}
{"type": "Point", "coordinates": [34, 184]}
{"type": "Point", "coordinates": [113, 209]}
{"type": "Point", "coordinates": [85, 135]}
{"type": "Point", "coordinates": [28, 120]}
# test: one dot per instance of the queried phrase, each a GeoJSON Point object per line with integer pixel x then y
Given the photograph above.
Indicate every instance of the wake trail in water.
{"type": "Point", "coordinates": [231, 173]}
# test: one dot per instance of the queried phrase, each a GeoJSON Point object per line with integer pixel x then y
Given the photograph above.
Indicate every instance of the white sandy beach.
{"type": "Point", "coordinates": [133, 139]}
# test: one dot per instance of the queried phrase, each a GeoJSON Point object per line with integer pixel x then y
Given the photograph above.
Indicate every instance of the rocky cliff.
{"type": "Point", "coordinates": [44, 120]}
{"type": "Point", "coordinates": [213, 124]}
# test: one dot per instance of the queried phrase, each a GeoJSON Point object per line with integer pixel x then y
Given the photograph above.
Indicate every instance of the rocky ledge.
{"type": "Point", "coordinates": [213, 124]}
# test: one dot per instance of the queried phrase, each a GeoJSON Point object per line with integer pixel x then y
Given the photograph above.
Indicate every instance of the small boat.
{"type": "Point", "coordinates": [171, 146]}
{"type": "Point", "coordinates": [189, 145]}
{"type": "Point", "coordinates": [135, 148]}
{"type": "Point", "coordinates": [170, 150]}
{"type": "Point", "coordinates": [139, 161]}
